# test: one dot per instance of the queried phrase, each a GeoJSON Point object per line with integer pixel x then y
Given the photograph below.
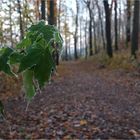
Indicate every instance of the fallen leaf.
{"type": "Point", "coordinates": [83, 122]}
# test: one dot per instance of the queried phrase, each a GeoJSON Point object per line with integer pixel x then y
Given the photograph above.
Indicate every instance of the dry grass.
{"type": "Point", "coordinates": [120, 60]}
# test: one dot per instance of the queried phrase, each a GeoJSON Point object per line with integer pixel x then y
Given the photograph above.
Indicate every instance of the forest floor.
{"type": "Point", "coordinates": [84, 101]}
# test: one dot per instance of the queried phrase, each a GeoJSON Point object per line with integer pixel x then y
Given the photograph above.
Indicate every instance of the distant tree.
{"type": "Point", "coordinates": [43, 13]}
{"type": "Point", "coordinates": [52, 11]}
{"type": "Point", "coordinates": [1, 32]}
{"type": "Point", "coordinates": [116, 26]}
{"type": "Point", "coordinates": [27, 19]}
{"type": "Point", "coordinates": [101, 23]}
{"type": "Point", "coordinates": [85, 35]}
{"type": "Point", "coordinates": [76, 30]}
{"type": "Point", "coordinates": [59, 13]}
{"type": "Point", "coordinates": [52, 20]}
{"type": "Point", "coordinates": [66, 35]}
{"type": "Point", "coordinates": [128, 27]}
{"type": "Point", "coordinates": [20, 20]}
{"type": "Point", "coordinates": [135, 31]}
{"type": "Point", "coordinates": [37, 11]}
{"type": "Point", "coordinates": [81, 37]}
{"type": "Point", "coordinates": [88, 4]}
{"type": "Point", "coordinates": [94, 33]}
{"type": "Point", "coordinates": [108, 28]}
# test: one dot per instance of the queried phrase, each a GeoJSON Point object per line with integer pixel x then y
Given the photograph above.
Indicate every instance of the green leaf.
{"type": "Point", "coordinates": [4, 57]}
{"type": "Point", "coordinates": [58, 39]}
{"type": "Point", "coordinates": [26, 42]}
{"type": "Point", "coordinates": [36, 27]}
{"type": "Point", "coordinates": [31, 59]}
{"type": "Point", "coordinates": [42, 62]}
{"type": "Point", "coordinates": [44, 68]}
{"type": "Point", "coordinates": [15, 57]}
{"type": "Point", "coordinates": [28, 84]}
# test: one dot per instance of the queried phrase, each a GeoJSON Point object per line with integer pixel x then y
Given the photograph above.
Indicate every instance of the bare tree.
{"type": "Point", "coordinates": [76, 30]}
{"type": "Point", "coordinates": [116, 26]}
{"type": "Point", "coordinates": [135, 31]}
{"type": "Point", "coordinates": [20, 20]}
{"type": "Point", "coordinates": [86, 48]}
{"type": "Point", "coordinates": [43, 9]}
{"type": "Point", "coordinates": [59, 13]}
{"type": "Point", "coordinates": [89, 5]}
{"type": "Point", "coordinates": [101, 23]}
{"type": "Point", "coordinates": [108, 28]}
{"type": "Point", "coordinates": [128, 29]}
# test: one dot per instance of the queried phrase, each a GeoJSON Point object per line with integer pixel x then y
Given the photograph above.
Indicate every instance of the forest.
{"type": "Point", "coordinates": [70, 69]}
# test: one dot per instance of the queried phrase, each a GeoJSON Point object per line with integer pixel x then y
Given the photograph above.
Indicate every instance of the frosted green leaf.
{"type": "Point", "coordinates": [28, 84]}
{"type": "Point", "coordinates": [4, 57]}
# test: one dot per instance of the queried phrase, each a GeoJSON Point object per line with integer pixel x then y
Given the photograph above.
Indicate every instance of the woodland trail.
{"type": "Point", "coordinates": [83, 102]}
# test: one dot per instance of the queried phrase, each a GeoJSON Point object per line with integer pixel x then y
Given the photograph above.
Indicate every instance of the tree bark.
{"type": "Point", "coordinates": [108, 28]}
{"type": "Point", "coordinates": [116, 26]}
{"type": "Point", "coordinates": [101, 23]}
{"type": "Point", "coordinates": [135, 31]}
{"type": "Point", "coordinates": [52, 9]}
{"type": "Point", "coordinates": [76, 31]}
{"type": "Point", "coordinates": [128, 29]}
{"type": "Point", "coordinates": [20, 21]}
{"type": "Point", "coordinates": [43, 10]}
{"type": "Point", "coordinates": [86, 50]}
{"type": "Point", "coordinates": [59, 21]}
{"type": "Point", "coordinates": [90, 33]}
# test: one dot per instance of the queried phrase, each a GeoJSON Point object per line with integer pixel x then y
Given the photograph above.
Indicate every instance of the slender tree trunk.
{"type": "Point", "coordinates": [59, 21]}
{"type": "Point", "coordinates": [37, 12]}
{"type": "Point", "coordinates": [69, 48]}
{"type": "Point", "coordinates": [128, 34]}
{"type": "Point", "coordinates": [1, 36]}
{"type": "Point", "coordinates": [119, 23]}
{"type": "Point", "coordinates": [90, 33]}
{"type": "Point", "coordinates": [108, 28]}
{"type": "Point", "coordinates": [11, 32]}
{"type": "Point", "coordinates": [53, 21]}
{"type": "Point", "coordinates": [94, 32]}
{"type": "Point", "coordinates": [86, 48]}
{"type": "Point", "coordinates": [80, 36]}
{"type": "Point", "coordinates": [76, 31]}
{"type": "Point", "coordinates": [66, 43]}
{"type": "Point", "coordinates": [116, 26]}
{"type": "Point", "coordinates": [20, 20]}
{"type": "Point", "coordinates": [43, 10]}
{"type": "Point", "coordinates": [101, 23]}
{"type": "Point", "coordinates": [52, 12]}
{"type": "Point", "coordinates": [135, 31]}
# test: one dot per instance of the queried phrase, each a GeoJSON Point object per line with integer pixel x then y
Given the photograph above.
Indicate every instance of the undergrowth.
{"type": "Point", "coordinates": [120, 60]}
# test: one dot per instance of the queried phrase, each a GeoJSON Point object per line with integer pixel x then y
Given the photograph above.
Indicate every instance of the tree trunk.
{"type": "Point", "coordinates": [20, 21]}
{"type": "Point", "coordinates": [116, 26]}
{"type": "Point", "coordinates": [76, 31]}
{"type": "Point", "coordinates": [90, 33]}
{"type": "Point", "coordinates": [53, 21]}
{"type": "Point", "coordinates": [128, 34]}
{"type": "Point", "coordinates": [94, 32]}
{"type": "Point", "coordinates": [59, 21]}
{"type": "Point", "coordinates": [86, 50]}
{"type": "Point", "coordinates": [43, 10]}
{"type": "Point", "coordinates": [69, 48]}
{"type": "Point", "coordinates": [101, 23]}
{"type": "Point", "coordinates": [135, 31]}
{"type": "Point", "coordinates": [52, 9]}
{"type": "Point", "coordinates": [80, 36]}
{"type": "Point", "coordinates": [108, 28]}
{"type": "Point", "coordinates": [11, 32]}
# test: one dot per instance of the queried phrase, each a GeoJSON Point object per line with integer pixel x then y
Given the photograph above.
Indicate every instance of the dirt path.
{"type": "Point", "coordinates": [82, 102]}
